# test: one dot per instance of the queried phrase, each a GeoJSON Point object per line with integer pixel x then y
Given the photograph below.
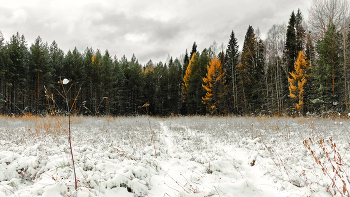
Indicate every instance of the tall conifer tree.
{"type": "Point", "coordinates": [194, 50]}
{"type": "Point", "coordinates": [214, 84]}
{"type": "Point", "coordinates": [40, 73]}
{"type": "Point", "coordinates": [291, 52]}
{"type": "Point", "coordinates": [230, 65]}
{"type": "Point", "coordinates": [251, 73]}
{"type": "Point", "coordinates": [298, 80]}
{"type": "Point", "coordinates": [327, 74]}
{"type": "Point", "coordinates": [192, 85]}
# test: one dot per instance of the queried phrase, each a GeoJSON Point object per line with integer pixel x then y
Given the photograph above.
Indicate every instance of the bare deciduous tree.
{"type": "Point", "coordinates": [275, 41]}
{"type": "Point", "coordinates": [322, 13]}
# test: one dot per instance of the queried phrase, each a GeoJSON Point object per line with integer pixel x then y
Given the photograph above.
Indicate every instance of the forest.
{"type": "Point", "coordinates": [300, 68]}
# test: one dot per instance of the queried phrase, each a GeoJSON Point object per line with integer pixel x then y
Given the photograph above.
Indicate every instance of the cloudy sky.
{"type": "Point", "coordinates": [150, 29]}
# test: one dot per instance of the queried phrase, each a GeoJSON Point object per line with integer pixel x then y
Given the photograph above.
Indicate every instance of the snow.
{"type": "Point", "coordinates": [65, 81]}
{"type": "Point", "coordinates": [195, 156]}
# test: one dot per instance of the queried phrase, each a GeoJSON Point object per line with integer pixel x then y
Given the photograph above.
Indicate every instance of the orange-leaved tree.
{"type": "Point", "coordinates": [214, 84]}
{"type": "Point", "coordinates": [298, 79]}
{"type": "Point", "coordinates": [187, 85]}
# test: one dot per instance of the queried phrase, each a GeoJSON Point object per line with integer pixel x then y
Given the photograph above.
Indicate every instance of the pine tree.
{"type": "Point", "coordinates": [40, 74]}
{"type": "Point", "coordinates": [163, 94]}
{"type": "Point", "coordinates": [56, 57]}
{"type": "Point", "coordinates": [87, 86]}
{"type": "Point", "coordinates": [119, 87]}
{"type": "Point", "coordinates": [150, 86]}
{"type": "Point", "coordinates": [74, 70]}
{"type": "Point", "coordinates": [214, 84]}
{"type": "Point", "coordinates": [175, 79]}
{"type": "Point", "coordinates": [108, 83]}
{"type": "Point", "coordinates": [134, 85]}
{"type": "Point", "coordinates": [297, 81]}
{"type": "Point", "coordinates": [16, 72]}
{"type": "Point", "coordinates": [346, 45]}
{"type": "Point", "coordinates": [96, 82]}
{"type": "Point", "coordinates": [327, 74]}
{"type": "Point", "coordinates": [3, 62]}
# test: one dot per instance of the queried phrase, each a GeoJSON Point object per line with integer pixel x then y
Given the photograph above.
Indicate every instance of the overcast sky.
{"type": "Point", "coordinates": [151, 29]}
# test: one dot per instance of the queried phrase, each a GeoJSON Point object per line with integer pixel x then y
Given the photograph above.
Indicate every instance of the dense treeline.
{"type": "Point", "coordinates": [291, 71]}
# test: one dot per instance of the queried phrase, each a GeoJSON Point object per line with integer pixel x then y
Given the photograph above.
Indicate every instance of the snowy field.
{"type": "Point", "coordinates": [193, 156]}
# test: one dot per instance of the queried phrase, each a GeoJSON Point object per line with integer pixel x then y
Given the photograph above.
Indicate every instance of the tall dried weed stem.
{"type": "Point", "coordinates": [330, 158]}
{"type": "Point", "coordinates": [69, 108]}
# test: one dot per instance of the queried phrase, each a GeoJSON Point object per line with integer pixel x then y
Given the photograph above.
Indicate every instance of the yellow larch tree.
{"type": "Point", "coordinates": [186, 90]}
{"type": "Point", "coordinates": [148, 69]}
{"type": "Point", "coordinates": [214, 84]}
{"type": "Point", "coordinates": [94, 59]}
{"type": "Point", "coordinates": [298, 79]}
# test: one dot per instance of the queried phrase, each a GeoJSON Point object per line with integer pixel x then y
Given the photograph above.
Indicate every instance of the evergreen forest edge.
{"type": "Point", "coordinates": [306, 77]}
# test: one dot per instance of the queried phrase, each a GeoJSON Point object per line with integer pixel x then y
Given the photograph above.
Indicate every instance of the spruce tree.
{"type": "Point", "coordinates": [246, 71]}
{"type": "Point", "coordinates": [258, 79]}
{"type": "Point", "coordinates": [294, 43]}
{"type": "Point", "coordinates": [290, 53]}
{"type": "Point", "coordinates": [185, 63]}
{"type": "Point", "coordinates": [230, 65]}
{"type": "Point", "coordinates": [310, 57]}
{"type": "Point", "coordinates": [194, 49]}
{"type": "Point", "coordinates": [299, 32]}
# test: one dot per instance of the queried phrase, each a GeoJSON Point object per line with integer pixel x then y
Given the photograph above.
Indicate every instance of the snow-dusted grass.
{"type": "Point", "coordinates": [196, 156]}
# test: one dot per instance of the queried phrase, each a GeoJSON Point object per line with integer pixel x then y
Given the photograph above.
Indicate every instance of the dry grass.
{"type": "Point", "coordinates": [35, 126]}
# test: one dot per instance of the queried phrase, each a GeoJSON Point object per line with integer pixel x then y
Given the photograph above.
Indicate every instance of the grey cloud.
{"type": "Point", "coordinates": [159, 35]}
{"type": "Point", "coordinates": [123, 24]}
{"type": "Point", "coordinates": [122, 30]}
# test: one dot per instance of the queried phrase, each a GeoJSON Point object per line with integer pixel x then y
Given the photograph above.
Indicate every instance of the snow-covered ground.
{"type": "Point", "coordinates": [193, 156]}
